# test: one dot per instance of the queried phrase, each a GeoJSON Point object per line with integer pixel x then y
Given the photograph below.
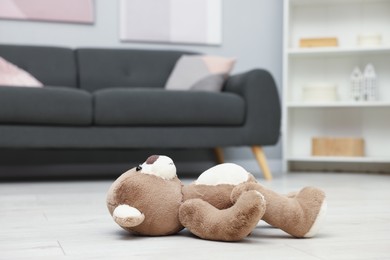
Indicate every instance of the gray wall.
{"type": "Point", "coordinates": [252, 32]}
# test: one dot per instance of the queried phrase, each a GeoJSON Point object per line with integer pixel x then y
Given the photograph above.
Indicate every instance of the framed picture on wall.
{"type": "Point", "coordinates": [171, 21]}
{"type": "Point", "coordinates": [72, 11]}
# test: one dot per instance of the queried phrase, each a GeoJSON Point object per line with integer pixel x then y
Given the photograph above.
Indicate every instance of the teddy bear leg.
{"type": "Point", "coordinates": [127, 216]}
{"type": "Point", "coordinates": [300, 214]}
{"type": "Point", "coordinates": [231, 224]}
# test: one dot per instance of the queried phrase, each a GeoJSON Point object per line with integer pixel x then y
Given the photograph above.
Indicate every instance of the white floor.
{"type": "Point", "coordinates": [52, 220]}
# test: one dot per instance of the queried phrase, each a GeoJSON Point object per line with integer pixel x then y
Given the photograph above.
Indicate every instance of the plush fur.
{"type": "Point", "coordinates": [217, 195]}
{"type": "Point", "coordinates": [156, 198]}
{"type": "Point", "coordinates": [295, 213]}
{"type": "Point", "coordinates": [230, 224]}
{"type": "Point", "coordinates": [209, 212]}
{"type": "Point", "coordinates": [151, 200]}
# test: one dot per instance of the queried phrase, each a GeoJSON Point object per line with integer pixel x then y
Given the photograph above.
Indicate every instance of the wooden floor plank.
{"type": "Point", "coordinates": [51, 220]}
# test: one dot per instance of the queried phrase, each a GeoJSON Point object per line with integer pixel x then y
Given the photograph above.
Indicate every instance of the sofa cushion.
{"type": "Point", "coordinates": [45, 106]}
{"type": "Point", "coordinates": [111, 68]}
{"type": "Point", "coordinates": [53, 66]}
{"type": "Point", "coordinates": [143, 107]}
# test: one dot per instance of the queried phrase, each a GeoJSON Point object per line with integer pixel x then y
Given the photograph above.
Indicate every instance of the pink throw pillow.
{"type": "Point", "coordinates": [12, 75]}
{"type": "Point", "coordinates": [200, 73]}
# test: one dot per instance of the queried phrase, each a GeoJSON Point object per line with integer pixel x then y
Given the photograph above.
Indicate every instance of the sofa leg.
{"type": "Point", "coordinates": [219, 155]}
{"type": "Point", "coordinates": [262, 161]}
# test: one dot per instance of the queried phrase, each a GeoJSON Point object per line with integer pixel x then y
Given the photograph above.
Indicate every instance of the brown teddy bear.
{"type": "Point", "coordinates": [225, 203]}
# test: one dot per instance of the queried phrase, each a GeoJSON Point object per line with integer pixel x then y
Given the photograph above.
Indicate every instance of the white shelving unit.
{"type": "Point", "coordinates": [345, 20]}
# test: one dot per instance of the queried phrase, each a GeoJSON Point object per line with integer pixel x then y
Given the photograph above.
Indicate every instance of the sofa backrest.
{"type": "Point", "coordinates": [53, 66]}
{"type": "Point", "coordinates": [110, 68]}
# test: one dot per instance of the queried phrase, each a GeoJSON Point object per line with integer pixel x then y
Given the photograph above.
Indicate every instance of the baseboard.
{"type": "Point", "coordinates": [184, 169]}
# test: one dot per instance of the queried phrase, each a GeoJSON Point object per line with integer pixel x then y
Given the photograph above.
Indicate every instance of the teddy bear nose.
{"type": "Point", "coordinates": [139, 167]}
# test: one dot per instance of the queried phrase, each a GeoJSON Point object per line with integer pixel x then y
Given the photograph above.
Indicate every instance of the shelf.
{"type": "Point", "coordinates": [349, 104]}
{"type": "Point", "coordinates": [333, 2]}
{"type": "Point", "coordinates": [340, 159]}
{"type": "Point", "coordinates": [346, 20]}
{"type": "Point", "coordinates": [318, 51]}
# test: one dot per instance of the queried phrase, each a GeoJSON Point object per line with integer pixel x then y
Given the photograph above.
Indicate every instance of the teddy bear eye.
{"type": "Point", "coordinates": [139, 167]}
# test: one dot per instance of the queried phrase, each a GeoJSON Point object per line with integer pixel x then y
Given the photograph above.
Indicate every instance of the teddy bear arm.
{"type": "Point", "coordinates": [232, 224]}
{"type": "Point", "coordinates": [218, 196]}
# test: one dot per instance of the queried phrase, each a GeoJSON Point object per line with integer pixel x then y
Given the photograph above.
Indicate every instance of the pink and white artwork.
{"type": "Point", "coordinates": [175, 21]}
{"type": "Point", "coordinates": [74, 11]}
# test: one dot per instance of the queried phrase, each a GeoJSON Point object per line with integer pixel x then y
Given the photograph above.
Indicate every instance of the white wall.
{"type": "Point", "coordinates": [252, 32]}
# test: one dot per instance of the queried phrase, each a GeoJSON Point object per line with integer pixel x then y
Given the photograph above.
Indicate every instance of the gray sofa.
{"type": "Point", "coordinates": [115, 98]}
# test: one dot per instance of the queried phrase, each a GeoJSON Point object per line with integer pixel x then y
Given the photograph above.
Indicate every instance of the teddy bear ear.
{"type": "Point", "coordinates": [152, 159]}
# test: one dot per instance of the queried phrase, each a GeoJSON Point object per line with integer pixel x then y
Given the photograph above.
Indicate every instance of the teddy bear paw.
{"type": "Point", "coordinates": [319, 221]}
{"type": "Point", "coordinates": [314, 206]}
{"type": "Point", "coordinates": [127, 216]}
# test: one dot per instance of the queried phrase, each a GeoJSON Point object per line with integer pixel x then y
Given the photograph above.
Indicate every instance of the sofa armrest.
{"type": "Point", "coordinates": [263, 111]}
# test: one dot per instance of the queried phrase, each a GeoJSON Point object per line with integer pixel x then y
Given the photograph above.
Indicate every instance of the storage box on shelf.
{"type": "Point", "coordinates": [362, 29]}
{"type": "Point", "coordinates": [318, 42]}
{"type": "Point", "coordinates": [327, 146]}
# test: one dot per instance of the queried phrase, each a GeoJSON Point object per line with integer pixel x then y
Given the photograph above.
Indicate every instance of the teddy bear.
{"type": "Point", "coordinates": [225, 203]}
